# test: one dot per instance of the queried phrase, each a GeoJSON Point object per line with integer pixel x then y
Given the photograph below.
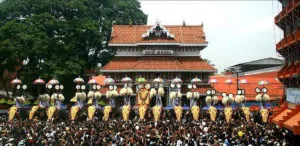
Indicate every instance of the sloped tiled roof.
{"type": "Point", "coordinates": [132, 34]}
{"type": "Point", "coordinates": [158, 64]}
{"type": "Point", "coordinates": [100, 79]}
{"type": "Point", "coordinates": [281, 116]}
{"type": "Point", "coordinates": [265, 74]}
{"type": "Point", "coordinates": [275, 88]}
{"type": "Point", "coordinates": [293, 123]}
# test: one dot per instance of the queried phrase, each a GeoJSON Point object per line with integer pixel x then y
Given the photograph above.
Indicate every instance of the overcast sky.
{"type": "Point", "coordinates": [237, 31]}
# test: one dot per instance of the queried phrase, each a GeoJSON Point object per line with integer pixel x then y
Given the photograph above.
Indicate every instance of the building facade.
{"type": "Point", "coordinates": [259, 66]}
{"type": "Point", "coordinates": [249, 75]}
{"type": "Point", "coordinates": [289, 47]}
{"type": "Point", "coordinates": [165, 51]}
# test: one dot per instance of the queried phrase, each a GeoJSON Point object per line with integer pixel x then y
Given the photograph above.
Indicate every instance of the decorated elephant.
{"type": "Point", "coordinates": [43, 104]}
{"type": "Point", "coordinates": [193, 95]}
{"type": "Point", "coordinates": [80, 97]}
{"type": "Point", "coordinates": [126, 92]}
{"type": "Point", "coordinates": [263, 97]}
{"type": "Point", "coordinates": [211, 100]}
{"type": "Point", "coordinates": [143, 102]}
{"type": "Point", "coordinates": [56, 105]}
{"type": "Point", "coordinates": [246, 112]}
{"type": "Point", "coordinates": [228, 111]}
{"type": "Point", "coordinates": [175, 96]}
{"type": "Point", "coordinates": [158, 92]}
{"type": "Point", "coordinates": [93, 103]}
{"type": "Point", "coordinates": [111, 94]}
{"type": "Point", "coordinates": [17, 108]}
{"type": "Point", "coordinates": [264, 115]}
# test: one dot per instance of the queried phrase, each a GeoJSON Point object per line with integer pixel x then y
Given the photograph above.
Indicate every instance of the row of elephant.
{"type": "Point", "coordinates": [126, 112]}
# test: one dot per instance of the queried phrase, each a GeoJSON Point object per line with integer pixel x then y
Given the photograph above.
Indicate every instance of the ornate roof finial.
{"type": "Point", "coordinates": [158, 31]}
{"type": "Point", "coordinates": [183, 23]}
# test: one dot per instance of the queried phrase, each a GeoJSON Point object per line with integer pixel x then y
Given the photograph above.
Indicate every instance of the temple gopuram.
{"type": "Point", "coordinates": [289, 21]}
{"type": "Point", "coordinates": [166, 51]}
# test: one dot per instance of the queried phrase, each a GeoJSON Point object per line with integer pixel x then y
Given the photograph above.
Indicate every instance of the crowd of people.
{"type": "Point", "coordinates": [135, 132]}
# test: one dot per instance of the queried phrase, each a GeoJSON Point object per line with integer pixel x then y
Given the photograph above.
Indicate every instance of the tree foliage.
{"type": "Point", "coordinates": [61, 38]}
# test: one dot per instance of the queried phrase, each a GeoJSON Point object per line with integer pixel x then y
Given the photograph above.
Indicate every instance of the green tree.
{"type": "Point", "coordinates": [61, 39]}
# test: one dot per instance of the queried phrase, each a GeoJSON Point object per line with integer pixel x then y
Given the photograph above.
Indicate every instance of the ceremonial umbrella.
{"type": "Point", "coordinates": [243, 81]}
{"type": "Point", "coordinates": [158, 80]}
{"type": "Point", "coordinates": [228, 81]}
{"type": "Point", "coordinates": [78, 80]}
{"type": "Point", "coordinates": [92, 82]}
{"type": "Point", "coordinates": [141, 80]}
{"type": "Point", "coordinates": [109, 81]}
{"type": "Point", "coordinates": [53, 82]}
{"type": "Point", "coordinates": [262, 82]}
{"type": "Point", "coordinates": [126, 80]}
{"type": "Point", "coordinates": [176, 80]}
{"type": "Point", "coordinates": [196, 80]}
{"type": "Point", "coordinates": [16, 81]}
{"type": "Point", "coordinates": [212, 81]}
{"type": "Point", "coordinates": [39, 81]}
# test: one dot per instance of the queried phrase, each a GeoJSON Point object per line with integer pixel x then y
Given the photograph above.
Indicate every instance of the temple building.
{"type": "Point", "coordinates": [289, 47]}
{"type": "Point", "coordinates": [166, 51]}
